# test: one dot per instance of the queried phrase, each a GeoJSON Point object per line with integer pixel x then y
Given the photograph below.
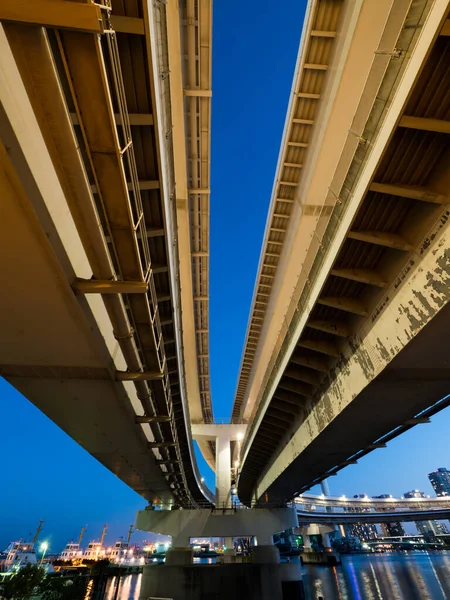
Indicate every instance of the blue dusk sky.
{"type": "Point", "coordinates": [46, 475]}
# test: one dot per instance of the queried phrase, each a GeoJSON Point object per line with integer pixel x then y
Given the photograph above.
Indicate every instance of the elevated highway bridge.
{"type": "Point", "coordinates": [316, 509]}
{"type": "Point", "coordinates": [104, 248]}
{"type": "Point", "coordinates": [315, 502]}
{"type": "Point", "coordinates": [105, 229]}
{"type": "Point", "coordinates": [347, 336]}
{"type": "Point", "coordinates": [400, 516]}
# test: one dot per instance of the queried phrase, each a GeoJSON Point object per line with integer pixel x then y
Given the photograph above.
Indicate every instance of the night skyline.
{"type": "Point", "coordinates": [47, 475]}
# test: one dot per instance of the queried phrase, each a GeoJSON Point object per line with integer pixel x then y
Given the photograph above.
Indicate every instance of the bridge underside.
{"type": "Point", "coordinates": [416, 379]}
{"type": "Point", "coordinates": [88, 204]}
{"type": "Point", "coordinates": [365, 351]}
{"type": "Point", "coordinates": [66, 370]}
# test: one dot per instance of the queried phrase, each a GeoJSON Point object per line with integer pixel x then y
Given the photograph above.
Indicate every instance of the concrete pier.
{"type": "Point", "coordinates": [256, 577]}
{"type": "Point", "coordinates": [251, 581]}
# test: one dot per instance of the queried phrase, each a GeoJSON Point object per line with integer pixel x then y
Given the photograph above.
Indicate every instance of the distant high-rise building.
{"type": "Point", "coordinates": [394, 529]}
{"type": "Point", "coordinates": [365, 532]}
{"type": "Point", "coordinates": [442, 528]}
{"type": "Point", "coordinates": [414, 494]}
{"type": "Point", "coordinates": [430, 528]}
{"type": "Point", "coordinates": [440, 480]}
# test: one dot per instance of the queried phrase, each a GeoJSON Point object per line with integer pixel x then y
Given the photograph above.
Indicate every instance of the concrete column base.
{"type": "Point", "coordinates": [229, 556]}
{"type": "Point", "coordinates": [179, 556]}
{"type": "Point", "coordinates": [266, 555]}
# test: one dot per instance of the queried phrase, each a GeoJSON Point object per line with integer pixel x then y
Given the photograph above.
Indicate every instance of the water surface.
{"type": "Point", "coordinates": [403, 576]}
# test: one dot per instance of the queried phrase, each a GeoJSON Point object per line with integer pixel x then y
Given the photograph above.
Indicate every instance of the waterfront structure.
{"type": "Point", "coordinates": [71, 551]}
{"type": "Point", "coordinates": [440, 480]}
{"type": "Point", "coordinates": [18, 555]}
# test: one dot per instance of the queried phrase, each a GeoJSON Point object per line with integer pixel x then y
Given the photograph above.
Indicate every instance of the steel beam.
{"type": "Point", "coordinates": [154, 232]}
{"type": "Point", "coordinates": [418, 421]}
{"type": "Point", "coordinates": [156, 419]}
{"type": "Point", "coordinates": [146, 184]}
{"type": "Point", "coordinates": [410, 191]}
{"type": "Point", "coordinates": [287, 407]}
{"type": "Point", "coordinates": [320, 33]}
{"type": "Point", "coordinates": [151, 445]}
{"type": "Point", "coordinates": [53, 13]}
{"type": "Point", "coordinates": [381, 238]}
{"type": "Point", "coordinates": [138, 376]}
{"type": "Point", "coordinates": [293, 392]}
{"type": "Point", "coordinates": [99, 286]}
{"type": "Point", "coordinates": [315, 67]}
{"type": "Point", "coordinates": [308, 96]}
{"type": "Point", "coordinates": [338, 329]}
{"type": "Point", "coordinates": [312, 363]}
{"type": "Point", "coordinates": [136, 119]}
{"type": "Point", "coordinates": [321, 346]}
{"type": "Point", "coordinates": [302, 375]}
{"type": "Point", "coordinates": [375, 446]}
{"type": "Point", "coordinates": [132, 25]}
{"type": "Point", "coordinates": [293, 165]}
{"type": "Point", "coordinates": [350, 305]}
{"type": "Point", "coordinates": [280, 415]}
{"type": "Point", "coordinates": [198, 93]}
{"type": "Point", "coordinates": [425, 124]}
{"type": "Point", "coordinates": [366, 276]}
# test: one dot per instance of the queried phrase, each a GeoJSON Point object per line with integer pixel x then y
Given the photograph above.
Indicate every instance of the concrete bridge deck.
{"type": "Point", "coordinates": [90, 209]}
{"type": "Point", "coordinates": [354, 331]}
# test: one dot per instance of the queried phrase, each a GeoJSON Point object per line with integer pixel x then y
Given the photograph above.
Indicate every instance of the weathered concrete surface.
{"type": "Point", "coordinates": [183, 525]}
{"type": "Point", "coordinates": [223, 582]}
{"type": "Point", "coordinates": [394, 367]}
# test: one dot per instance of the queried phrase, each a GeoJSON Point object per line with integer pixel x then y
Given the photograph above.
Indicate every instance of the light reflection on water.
{"type": "Point", "coordinates": [204, 561]}
{"type": "Point", "coordinates": [412, 576]}
{"type": "Point", "coordinates": [129, 587]}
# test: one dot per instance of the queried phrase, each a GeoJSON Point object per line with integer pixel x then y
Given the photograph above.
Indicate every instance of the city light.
{"type": "Point", "coordinates": [240, 436]}
{"type": "Point", "coordinates": [44, 547]}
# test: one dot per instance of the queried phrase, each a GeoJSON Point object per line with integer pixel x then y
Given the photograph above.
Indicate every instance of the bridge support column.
{"type": "Point", "coordinates": [222, 435]}
{"type": "Point", "coordinates": [180, 552]}
{"type": "Point", "coordinates": [321, 557]}
{"type": "Point", "coordinates": [265, 552]}
{"type": "Point", "coordinates": [264, 578]}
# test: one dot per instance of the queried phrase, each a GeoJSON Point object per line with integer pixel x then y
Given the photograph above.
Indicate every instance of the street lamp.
{"type": "Point", "coordinates": [43, 549]}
